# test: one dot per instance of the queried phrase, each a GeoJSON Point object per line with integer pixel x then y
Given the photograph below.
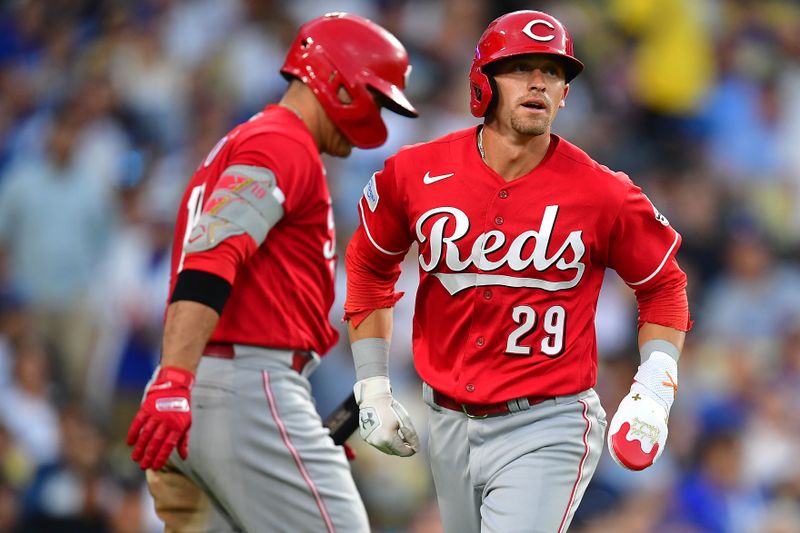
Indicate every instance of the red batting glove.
{"type": "Point", "coordinates": [163, 420]}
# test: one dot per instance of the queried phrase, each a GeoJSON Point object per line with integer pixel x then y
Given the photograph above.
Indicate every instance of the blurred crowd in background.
{"type": "Point", "coordinates": [106, 108]}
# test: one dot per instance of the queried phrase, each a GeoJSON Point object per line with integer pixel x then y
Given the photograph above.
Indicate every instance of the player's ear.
{"type": "Point", "coordinates": [563, 102]}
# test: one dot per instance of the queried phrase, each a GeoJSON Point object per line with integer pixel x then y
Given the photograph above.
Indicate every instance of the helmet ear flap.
{"type": "Point", "coordinates": [493, 93]}
{"type": "Point", "coordinates": [482, 91]}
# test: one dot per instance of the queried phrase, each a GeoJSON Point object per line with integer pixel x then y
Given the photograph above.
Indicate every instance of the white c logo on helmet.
{"type": "Point", "coordinates": [527, 30]}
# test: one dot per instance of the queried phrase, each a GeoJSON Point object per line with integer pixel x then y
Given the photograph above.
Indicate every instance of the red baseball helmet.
{"type": "Point", "coordinates": [340, 50]}
{"type": "Point", "coordinates": [517, 33]}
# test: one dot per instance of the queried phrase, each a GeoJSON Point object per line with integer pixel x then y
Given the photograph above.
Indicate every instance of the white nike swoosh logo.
{"type": "Point", "coordinates": [428, 179]}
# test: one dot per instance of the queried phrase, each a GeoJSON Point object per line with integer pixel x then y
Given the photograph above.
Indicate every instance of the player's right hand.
{"type": "Point", "coordinates": [163, 420]}
{"type": "Point", "coordinates": [383, 422]}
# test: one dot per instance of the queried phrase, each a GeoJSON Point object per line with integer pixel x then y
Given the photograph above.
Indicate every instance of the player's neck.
{"type": "Point", "coordinates": [302, 102]}
{"type": "Point", "coordinates": [512, 155]}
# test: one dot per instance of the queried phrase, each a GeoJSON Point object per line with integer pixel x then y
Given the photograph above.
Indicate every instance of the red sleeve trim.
{"type": "Point", "coordinates": [664, 301]}
{"type": "Point", "coordinates": [357, 317]}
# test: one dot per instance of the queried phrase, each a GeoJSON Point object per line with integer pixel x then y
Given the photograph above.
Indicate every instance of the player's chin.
{"type": "Point", "coordinates": [342, 149]}
{"type": "Point", "coordinates": [529, 126]}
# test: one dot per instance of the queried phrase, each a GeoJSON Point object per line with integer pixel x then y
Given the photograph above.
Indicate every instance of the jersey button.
{"type": "Point", "coordinates": [503, 194]}
{"type": "Point", "coordinates": [498, 220]}
{"type": "Point", "coordinates": [480, 341]}
{"type": "Point", "coordinates": [487, 294]}
{"type": "Point", "coordinates": [470, 387]}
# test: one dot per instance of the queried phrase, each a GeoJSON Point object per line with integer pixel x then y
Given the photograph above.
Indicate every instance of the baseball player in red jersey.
{"type": "Point", "coordinates": [255, 234]}
{"type": "Point", "coordinates": [515, 227]}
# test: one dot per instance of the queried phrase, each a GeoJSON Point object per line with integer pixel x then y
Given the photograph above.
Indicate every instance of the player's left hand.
{"type": "Point", "coordinates": [383, 422]}
{"type": "Point", "coordinates": [638, 432]}
{"type": "Point", "coordinates": [163, 420]}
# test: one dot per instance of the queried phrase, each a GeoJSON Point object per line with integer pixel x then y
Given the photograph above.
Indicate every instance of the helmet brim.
{"type": "Point", "coordinates": [394, 99]}
{"type": "Point", "coordinates": [572, 66]}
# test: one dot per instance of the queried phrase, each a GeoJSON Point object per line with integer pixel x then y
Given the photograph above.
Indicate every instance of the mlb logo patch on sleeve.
{"type": "Point", "coordinates": [661, 218]}
{"type": "Point", "coordinates": [371, 194]}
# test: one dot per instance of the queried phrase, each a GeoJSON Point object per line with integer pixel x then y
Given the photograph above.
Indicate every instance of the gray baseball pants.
{"type": "Point", "coordinates": [259, 452]}
{"type": "Point", "coordinates": [522, 471]}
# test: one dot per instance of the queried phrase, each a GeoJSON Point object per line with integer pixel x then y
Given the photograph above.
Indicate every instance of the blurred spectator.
{"type": "Point", "coordinates": [713, 498]}
{"type": "Point", "coordinates": [757, 297]}
{"type": "Point", "coordinates": [192, 31]}
{"type": "Point", "coordinates": [741, 115]}
{"type": "Point", "coordinates": [260, 40]}
{"type": "Point", "coordinates": [14, 326]}
{"type": "Point", "coordinates": [72, 493]}
{"type": "Point", "coordinates": [671, 44]}
{"type": "Point", "coordinates": [103, 143]}
{"type": "Point", "coordinates": [126, 514]}
{"type": "Point", "coordinates": [767, 429]}
{"type": "Point", "coordinates": [54, 227]}
{"type": "Point", "coordinates": [129, 298]}
{"type": "Point", "coordinates": [16, 468]}
{"type": "Point", "coordinates": [26, 406]}
{"type": "Point", "coordinates": [9, 508]}
{"type": "Point", "coordinates": [671, 71]}
{"type": "Point", "coordinates": [151, 87]}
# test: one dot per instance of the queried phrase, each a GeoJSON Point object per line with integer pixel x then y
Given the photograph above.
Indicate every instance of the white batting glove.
{"type": "Point", "coordinates": [638, 431]}
{"type": "Point", "coordinates": [383, 422]}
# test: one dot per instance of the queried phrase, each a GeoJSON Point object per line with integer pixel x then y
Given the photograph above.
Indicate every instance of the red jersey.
{"type": "Point", "coordinates": [283, 289]}
{"type": "Point", "coordinates": [510, 272]}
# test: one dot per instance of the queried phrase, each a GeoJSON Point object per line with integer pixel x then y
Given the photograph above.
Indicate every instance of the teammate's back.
{"type": "Point", "coordinates": [286, 280]}
{"type": "Point", "coordinates": [251, 288]}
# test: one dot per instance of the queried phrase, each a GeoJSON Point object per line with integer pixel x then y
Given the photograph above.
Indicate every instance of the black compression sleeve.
{"type": "Point", "coordinates": [202, 287]}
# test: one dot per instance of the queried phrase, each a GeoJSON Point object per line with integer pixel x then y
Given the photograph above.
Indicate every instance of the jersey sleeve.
{"type": "Point", "coordinates": [279, 168]}
{"type": "Point", "coordinates": [286, 158]}
{"type": "Point", "coordinates": [383, 214]}
{"type": "Point", "coordinates": [642, 242]}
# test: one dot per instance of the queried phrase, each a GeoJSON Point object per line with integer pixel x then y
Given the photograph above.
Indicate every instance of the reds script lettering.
{"type": "Point", "coordinates": [493, 241]}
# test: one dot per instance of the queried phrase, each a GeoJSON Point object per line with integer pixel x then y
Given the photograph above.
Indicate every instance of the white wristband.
{"type": "Point", "coordinates": [658, 378]}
